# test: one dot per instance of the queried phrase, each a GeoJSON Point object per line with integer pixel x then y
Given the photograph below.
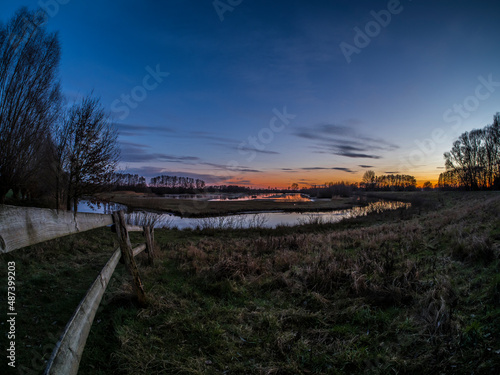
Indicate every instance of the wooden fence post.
{"type": "Point", "coordinates": [149, 244]}
{"type": "Point", "coordinates": [128, 256]}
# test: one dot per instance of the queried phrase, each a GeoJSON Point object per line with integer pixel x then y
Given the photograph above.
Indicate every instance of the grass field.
{"type": "Point", "coordinates": [197, 208]}
{"type": "Point", "coordinates": [406, 291]}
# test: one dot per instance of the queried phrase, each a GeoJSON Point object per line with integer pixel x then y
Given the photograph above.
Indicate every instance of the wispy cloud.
{"type": "Point", "coordinates": [132, 152]}
{"type": "Point", "coordinates": [240, 168]}
{"type": "Point", "coordinates": [135, 152]}
{"type": "Point", "coordinates": [313, 168]}
{"type": "Point", "coordinates": [211, 136]}
{"type": "Point", "coordinates": [366, 166]}
{"type": "Point", "coordinates": [344, 141]}
{"type": "Point", "coordinates": [231, 143]}
{"type": "Point", "coordinates": [129, 130]}
{"type": "Point", "coordinates": [348, 170]}
{"type": "Point", "coordinates": [344, 170]}
{"type": "Point", "coordinates": [238, 182]}
{"type": "Point", "coordinates": [250, 149]}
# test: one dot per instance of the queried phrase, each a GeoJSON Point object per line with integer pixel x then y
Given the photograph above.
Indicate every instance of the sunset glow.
{"type": "Point", "coordinates": [275, 93]}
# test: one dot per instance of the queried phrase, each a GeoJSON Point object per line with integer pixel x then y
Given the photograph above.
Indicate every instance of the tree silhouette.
{"type": "Point", "coordinates": [29, 97]}
{"type": "Point", "coordinates": [474, 160]}
{"type": "Point", "coordinates": [90, 149]}
{"type": "Point", "coordinates": [427, 185]}
{"type": "Point", "coordinates": [368, 179]}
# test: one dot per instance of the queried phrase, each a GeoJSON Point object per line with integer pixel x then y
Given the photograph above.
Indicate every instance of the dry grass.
{"type": "Point", "coordinates": [150, 219]}
{"type": "Point", "coordinates": [397, 297]}
{"type": "Point", "coordinates": [406, 291]}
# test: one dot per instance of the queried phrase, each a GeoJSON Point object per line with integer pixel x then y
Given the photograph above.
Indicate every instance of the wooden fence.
{"type": "Point", "coordinates": [25, 226]}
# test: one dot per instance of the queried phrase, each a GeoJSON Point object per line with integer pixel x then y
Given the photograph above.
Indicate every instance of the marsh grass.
{"type": "Point", "coordinates": [406, 291]}
{"type": "Point", "coordinates": [150, 219]}
{"type": "Point", "coordinates": [203, 208]}
{"type": "Point", "coordinates": [387, 292]}
{"type": "Point", "coordinates": [231, 222]}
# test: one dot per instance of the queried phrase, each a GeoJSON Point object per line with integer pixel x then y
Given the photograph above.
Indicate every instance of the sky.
{"type": "Point", "coordinates": [269, 93]}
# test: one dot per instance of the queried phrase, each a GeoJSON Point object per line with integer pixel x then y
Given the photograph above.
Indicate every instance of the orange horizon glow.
{"type": "Point", "coordinates": [284, 181]}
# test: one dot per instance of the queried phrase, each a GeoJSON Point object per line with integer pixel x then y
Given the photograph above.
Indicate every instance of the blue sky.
{"type": "Point", "coordinates": [266, 93]}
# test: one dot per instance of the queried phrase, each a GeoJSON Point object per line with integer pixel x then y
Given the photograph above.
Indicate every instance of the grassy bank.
{"type": "Point", "coordinates": [197, 208]}
{"type": "Point", "coordinates": [408, 291]}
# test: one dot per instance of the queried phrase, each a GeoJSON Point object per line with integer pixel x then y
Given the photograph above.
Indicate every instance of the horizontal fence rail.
{"type": "Point", "coordinates": [134, 228]}
{"type": "Point", "coordinates": [67, 354]}
{"type": "Point", "coordinates": [139, 249]}
{"type": "Point", "coordinates": [25, 226]}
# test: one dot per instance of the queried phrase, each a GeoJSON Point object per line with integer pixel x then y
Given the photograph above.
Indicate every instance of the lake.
{"type": "Point", "coordinates": [251, 220]}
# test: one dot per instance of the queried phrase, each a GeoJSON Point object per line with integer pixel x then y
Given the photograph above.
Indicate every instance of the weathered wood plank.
{"type": "Point", "coordinates": [128, 256]}
{"type": "Point", "coordinates": [67, 354]}
{"type": "Point", "coordinates": [149, 244]}
{"type": "Point", "coordinates": [139, 249]}
{"type": "Point", "coordinates": [24, 226]}
{"type": "Point", "coordinates": [134, 228]}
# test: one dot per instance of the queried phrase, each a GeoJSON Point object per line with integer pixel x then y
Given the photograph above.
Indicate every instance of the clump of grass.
{"type": "Point", "coordinates": [436, 308]}
{"type": "Point", "coordinates": [150, 219]}
{"type": "Point", "coordinates": [232, 222]}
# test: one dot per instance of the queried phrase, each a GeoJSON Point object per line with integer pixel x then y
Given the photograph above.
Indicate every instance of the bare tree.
{"type": "Point", "coordinates": [368, 179]}
{"type": "Point", "coordinates": [474, 159]}
{"type": "Point", "coordinates": [88, 150]}
{"type": "Point", "coordinates": [29, 96]}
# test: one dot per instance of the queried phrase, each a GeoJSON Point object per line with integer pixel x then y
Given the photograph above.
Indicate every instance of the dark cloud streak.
{"type": "Point", "coordinates": [344, 141]}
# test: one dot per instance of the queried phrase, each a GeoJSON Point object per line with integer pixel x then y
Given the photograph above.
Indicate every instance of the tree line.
{"type": "Point", "coordinates": [331, 189]}
{"type": "Point", "coordinates": [159, 185]}
{"type": "Point", "coordinates": [177, 182]}
{"type": "Point", "coordinates": [398, 182]}
{"type": "Point", "coordinates": [47, 146]}
{"type": "Point", "coordinates": [127, 180]}
{"type": "Point", "coordinates": [473, 163]}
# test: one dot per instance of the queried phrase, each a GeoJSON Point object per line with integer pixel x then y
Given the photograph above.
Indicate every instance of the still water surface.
{"type": "Point", "coordinates": [250, 220]}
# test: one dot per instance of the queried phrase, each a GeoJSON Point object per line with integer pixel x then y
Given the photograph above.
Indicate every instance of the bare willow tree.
{"type": "Point", "coordinates": [29, 97]}
{"type": "Point", "coordinates": [87, 147]}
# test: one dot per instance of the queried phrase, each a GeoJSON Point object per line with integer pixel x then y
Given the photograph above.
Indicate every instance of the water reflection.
{"type": "Point", "coordinates": [246, 220]}
{"type": "Point", "coordinates": [100, 207]}
{"type": "Point", "coordinates": [274, 219]}
{"type": "Point", "coordinates": [275, 197]}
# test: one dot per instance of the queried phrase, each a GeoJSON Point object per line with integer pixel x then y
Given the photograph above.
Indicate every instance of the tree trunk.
{"type": "Point", "coordinates": [68, 201]}
{"type": "Point", "coordinates": [3, 194]}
